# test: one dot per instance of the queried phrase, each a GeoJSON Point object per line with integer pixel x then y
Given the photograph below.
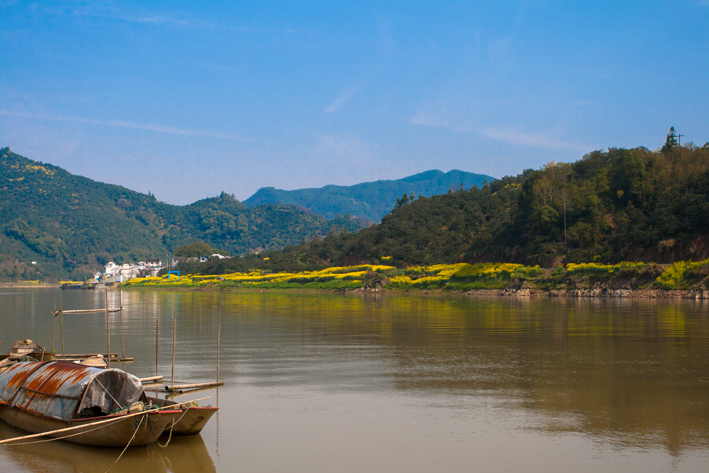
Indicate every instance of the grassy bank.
{"type": "Point", "coordinates": [457, 277]}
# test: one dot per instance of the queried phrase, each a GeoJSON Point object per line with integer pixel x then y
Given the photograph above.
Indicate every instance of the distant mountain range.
{"type": "Point", "coordinates": [69, 225]}
{"type": "Point", "coordinates": [369, 200]}
{"type": "Point", "coordinates": [612, 206]}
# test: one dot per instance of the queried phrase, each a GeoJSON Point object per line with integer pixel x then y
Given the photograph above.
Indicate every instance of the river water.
{"type": "Point", "coordinates": [396, 383]}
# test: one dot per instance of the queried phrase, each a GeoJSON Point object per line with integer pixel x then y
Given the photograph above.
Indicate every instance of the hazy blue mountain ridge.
{"type": "Point", "coordinates": [370, 200]}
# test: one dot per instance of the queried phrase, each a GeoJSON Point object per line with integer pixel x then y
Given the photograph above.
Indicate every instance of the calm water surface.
{"type": "Point", "coordinates": [339, 383]}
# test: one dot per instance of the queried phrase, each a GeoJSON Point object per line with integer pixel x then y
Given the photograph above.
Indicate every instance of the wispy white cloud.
{"type": "Point", "coordinates": [438, 117]}
{"type": "Point", "coordinates": [341, 100]}
{"type": "Point", "coordinates": [129, 15]}
{"type": "Point", "coordinates": [533, 139]}
{"type": "Point", "coordinates": [165, 18]}
{"type": "Point", "coordinates": [170, 18]}
{"type": "Point", "coordinates": [429, 118]}
{"type": "Point", "coordinates": [122, 124]}
{"type": "Point", "coordinates": [125, 13]}
{"type": "Point", "coordinates": [343, 148]}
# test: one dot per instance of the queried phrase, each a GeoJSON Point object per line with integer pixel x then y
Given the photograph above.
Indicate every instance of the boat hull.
{"type": "Point", "coordinates": [114, 434]}
{"type": "Point", "coordinates": [192, 421]}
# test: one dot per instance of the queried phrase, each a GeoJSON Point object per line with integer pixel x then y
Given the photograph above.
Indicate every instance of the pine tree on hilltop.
{"type": "Point", "coordinates": [671, 141]}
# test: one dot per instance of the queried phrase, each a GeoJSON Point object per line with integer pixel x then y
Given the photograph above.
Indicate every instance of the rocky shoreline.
{"type": "Point", "coordinates": [597, 293]}
{"type": "Point", "coordinates": [594, 293]}
{"type": "Point", "coordinates": [600, 293]}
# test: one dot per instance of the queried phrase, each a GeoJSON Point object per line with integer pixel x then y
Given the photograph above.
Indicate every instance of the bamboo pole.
{"type": "Point", "coordinates": [152, 387]}
{"type": "Point", "coordinates": [91, 424]}
{"type": "Point", "coordinates": [108, 332]}
{"type": "Point", "coordinates": [192, 386]}
{"type": "Point", "coordinates": [174, 336]}
{"type": "Point", "coordinates": [219, 336]}
{"type": "Point", "coordinates": [174, 394]}
{"type": "Point", "coordinates": [82, 358]}
{"type": "Point", "coordinates": [54, 321]}
{"type": "Point", "coordinates": [86, 355]}
{"type": "Point", "coordinates": [87, 311]}
{"type": "Point", "coordinates": [62, 324]}
{"type": "Point", "coordinates": [157, 345]}
{"type": "Point", "coordinates": [150, 379]}
{"type": "Point", "coordinates": [120, 305]}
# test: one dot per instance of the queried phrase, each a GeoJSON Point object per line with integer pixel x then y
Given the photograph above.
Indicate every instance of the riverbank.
{"type": "Point", "coordinates": [682, 280]}
{"type": "Point", "coordinates": [30, 284]}
{"type": "Point", "coordinates": [520, 293]}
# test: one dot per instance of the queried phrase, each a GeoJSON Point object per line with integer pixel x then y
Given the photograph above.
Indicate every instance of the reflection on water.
{"type": "Point", "coordinates": [323, 382]}
{"type": "Point", "coordinates": [182, 454]}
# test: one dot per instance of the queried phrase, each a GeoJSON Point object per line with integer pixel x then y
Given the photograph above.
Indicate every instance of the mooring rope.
{"type": "Point", "coordinates": [129, 442]}
{"type": "Point", "coordinates": [171, 429]}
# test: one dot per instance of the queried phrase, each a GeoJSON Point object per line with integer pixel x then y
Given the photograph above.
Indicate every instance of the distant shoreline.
{"type": "Point", "coordinates": [659, 294]}
{"type": "Point", "coordinates": [29, 285]}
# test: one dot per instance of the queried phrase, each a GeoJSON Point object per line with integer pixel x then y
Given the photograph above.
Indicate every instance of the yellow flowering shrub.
{"type": "Point", "coordinates": [672, 277]}
{"type": "Point", "coordinates": [496, 271]}
{"type": "Point", "coordinates": [603, 269]}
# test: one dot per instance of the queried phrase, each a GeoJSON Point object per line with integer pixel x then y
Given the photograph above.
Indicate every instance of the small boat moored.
{"type": "Point", "coordinates": [26, 349]}
{"type": "Point", "coordinates": [46, 396]}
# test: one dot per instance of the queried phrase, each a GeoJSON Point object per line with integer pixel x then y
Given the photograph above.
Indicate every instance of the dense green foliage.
{"type": "Point", "coordinates": [609, 206]}
{"type": "Point", "coordinates": [71, 225]}
{"type": "Point", "coordinates": [197, 249]}
{"type": "Point", "coordinates": [369, 200]}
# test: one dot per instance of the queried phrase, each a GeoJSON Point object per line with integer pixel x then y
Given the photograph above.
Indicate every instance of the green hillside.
{"type": "Point", "coordinates": [609, 206]}
{"type": "Point", "coordinates": [369, 200]}
{"type": "Point", "coordinates": [71, 225]}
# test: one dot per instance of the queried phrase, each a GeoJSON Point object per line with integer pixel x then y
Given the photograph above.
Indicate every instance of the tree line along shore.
{"type": "Point", "coordinates": [617, 222]}
{"type": "Point", "coordinates": [608, 207]}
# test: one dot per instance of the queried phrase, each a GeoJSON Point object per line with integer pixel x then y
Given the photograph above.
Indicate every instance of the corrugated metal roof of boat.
{"type": "Point", "coordinates": [50, 389]}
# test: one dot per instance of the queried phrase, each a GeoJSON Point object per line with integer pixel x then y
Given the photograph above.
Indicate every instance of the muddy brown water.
{"type": "Point", "coordinates": [397, 383]}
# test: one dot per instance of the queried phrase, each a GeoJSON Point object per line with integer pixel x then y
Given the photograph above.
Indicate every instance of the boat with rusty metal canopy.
{"type": "Point", "coordinates": [46, 396]}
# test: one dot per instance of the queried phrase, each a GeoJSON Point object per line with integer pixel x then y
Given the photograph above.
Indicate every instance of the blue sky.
{"type": "Point", "coordinates": [188, 99]}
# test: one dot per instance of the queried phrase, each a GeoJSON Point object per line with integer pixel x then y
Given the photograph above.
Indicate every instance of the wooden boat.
{"type": "Point", "coordinates": [29, 349]}
{"type": "Point", "coordinates": [192, 419]}
{"type": "Point", "coordinates": [97, 361]}
{"type": "Point", "coordinates": [46, 396]}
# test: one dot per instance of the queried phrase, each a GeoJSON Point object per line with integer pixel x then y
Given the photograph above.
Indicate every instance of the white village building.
{"type": "Point", "coordinates": [119, 273]}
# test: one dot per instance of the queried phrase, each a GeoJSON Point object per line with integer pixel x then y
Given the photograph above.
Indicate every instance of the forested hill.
{"type": "Point", "coordinates": [71, 225]}
{"type": "Point", "coordinates": [370, 200]}
{"type": "Point", "coordinates": [619, 204]}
